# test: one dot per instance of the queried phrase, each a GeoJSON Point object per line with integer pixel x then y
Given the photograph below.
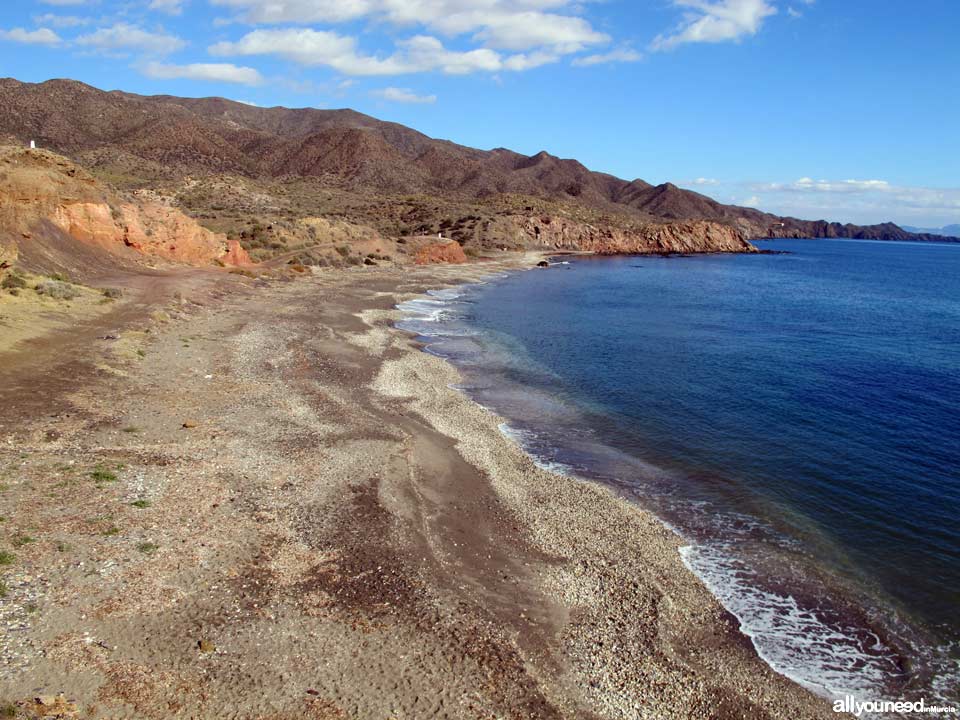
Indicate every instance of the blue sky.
{"type": "Point", "coordinates": [843, 109]}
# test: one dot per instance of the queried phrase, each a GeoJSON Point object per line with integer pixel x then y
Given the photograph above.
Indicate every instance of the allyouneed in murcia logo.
{"type": "Point", "coordinates": [849, 704]}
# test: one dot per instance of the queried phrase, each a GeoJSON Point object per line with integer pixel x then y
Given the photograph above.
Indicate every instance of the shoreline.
{"type": "Point", "coordinates": [871, 646]}
{"type": "Point", "coordinates": [309, 522]}
{"type": "Point", "coordinates": [685, 547]}
{"type": "Point", "coordinates": [751, 627]}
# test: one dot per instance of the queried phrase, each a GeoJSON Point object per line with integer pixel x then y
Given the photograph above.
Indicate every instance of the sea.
{"type": "Point", "coordinates": [794, 416]}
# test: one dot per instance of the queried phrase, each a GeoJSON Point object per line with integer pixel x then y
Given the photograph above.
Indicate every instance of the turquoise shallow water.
{"type": "Point", "coordinates": [796, 417]}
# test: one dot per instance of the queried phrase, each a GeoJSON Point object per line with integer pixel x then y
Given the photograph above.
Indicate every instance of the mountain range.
{"type": "Point", "coordinates": [950, 231]}
{"type": "Point", "coordinates": [254, 174]}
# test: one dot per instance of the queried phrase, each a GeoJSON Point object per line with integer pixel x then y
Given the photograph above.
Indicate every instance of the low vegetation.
{"type": "Point", "coordinates": [101, 475]}
{"type": "Point", "coordinates": [19, 540]}
{"type": "Point", "coordinates": [57, 289]}
{"type": "Point", "coordinates": [14, 282]}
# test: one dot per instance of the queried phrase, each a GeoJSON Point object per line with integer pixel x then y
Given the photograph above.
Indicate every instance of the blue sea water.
{"type": "Point", "coordinates": [795, 417]}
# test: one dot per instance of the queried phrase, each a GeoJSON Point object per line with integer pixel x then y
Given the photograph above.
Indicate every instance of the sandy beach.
{"type": "Point", "coordinates": [241, 497]}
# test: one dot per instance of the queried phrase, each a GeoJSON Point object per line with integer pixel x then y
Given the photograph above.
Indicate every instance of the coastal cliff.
{"type": "Point", "coordinates": [46, 199]}
{"type": "Point", "coordinates": [699, 236]}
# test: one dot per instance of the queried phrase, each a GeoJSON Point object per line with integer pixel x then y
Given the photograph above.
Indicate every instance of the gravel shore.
{"type": "Point", "coordinates": [257, 499]}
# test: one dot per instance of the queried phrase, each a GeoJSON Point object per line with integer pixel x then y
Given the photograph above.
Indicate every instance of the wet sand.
{"type": "Point", "coordinates": [263, 501]}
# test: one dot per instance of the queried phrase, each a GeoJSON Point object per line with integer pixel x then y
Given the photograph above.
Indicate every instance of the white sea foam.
{"type": "Point", "coordinates": [796, 642]}
{"type": "Point", "coordinates": [522, 438]}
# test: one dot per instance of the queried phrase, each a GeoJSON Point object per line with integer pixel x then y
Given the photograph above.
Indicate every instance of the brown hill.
{"type": "Point", "coordinates": [343, 163]}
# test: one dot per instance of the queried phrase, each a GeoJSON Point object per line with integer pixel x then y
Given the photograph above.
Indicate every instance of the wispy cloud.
{"type": "Point", "coordinates": [852, 200]}
{"type": "Point", "coordinates": [620, 55]}
{"type": "Point", "coordinates": [502, 24]}
{"type": "Point", "coordinates": [500, 34]}
{"type": "Point", "coordinates": [40, 36]}
{"type": "Point", "coordinates": [404, 95]}
{"type": "Point", "coordinates": [421, 53]}
{"type": "Point", "coordinates": [712, 22]}
{"type": "Point", "coordinates": [171, 7]}
{"type": "Point", "coordinates": [806, 184]}
{"type": "Point", "coordinates": [217, 72]}
{"type": "Point", "coordinates": [61, 21]}
{"type": "Point", "coordinates": [124, 37]}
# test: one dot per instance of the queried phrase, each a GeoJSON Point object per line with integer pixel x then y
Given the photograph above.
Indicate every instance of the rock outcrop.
{"type": "Point", "coordinates": [440, 253]}
{"type": "Point", "coordinates": [699, 236]}
{"type": "Point", "coordinates": [38, 187]}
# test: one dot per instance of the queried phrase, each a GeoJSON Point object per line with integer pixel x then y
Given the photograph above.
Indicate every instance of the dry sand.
{"type": "Point", "coordinates": [263, 501]}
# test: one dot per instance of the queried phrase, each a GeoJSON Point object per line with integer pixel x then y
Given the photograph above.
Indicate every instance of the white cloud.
{"type": "Point", "coordinates": [704, 181]}
{"type": "Point", "coordinates": [60, 21]}
{"type": "Point", "coordinates": [525, 30]}
{"type": "Point", "coordinates": [806, 184]}
{"type": "Point", "coordinates": [40, 36]}
{"type": "Point", "coordinates": [793, 12]}
{"type": "Point", "coordinates": [62, 3]}
{"type": "Point", "coordinates": [860, 201]}
{"type": "Point", "coordinates": [218, 72]}
{"type": "Point", "coordinates": [538, 31]}
{"type": "Point", "coordinates": [302, 11]}
{"type": "Point", "coordinates": [421, 53]}
{"type": "Point", "coordinates": [614, 56]}
{"type": "Point", "coordinates": [752, 201]}
{"type": "Point", "coordinates": [125, 37]}
{"type": "Point", "coordinates": [311, 48]}
{"type": "Point", "coordinates": [172, 7]}
{"type": "Point", "coordinates": [719, 21]}
{"type": "Point", "coordinates": [404, 95]}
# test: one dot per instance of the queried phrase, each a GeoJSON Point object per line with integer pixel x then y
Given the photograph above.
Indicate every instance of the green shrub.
{"type": "Point", "coordinates": [6, 558]}
{"type": "Point", "coordinates": [57, 289]}
{"type": "Point", "coordinates": [101, 474]}
{"type": "Point", "coordinates": [13, 281]}
{"type": "Point", "coordinates": [112, 293]}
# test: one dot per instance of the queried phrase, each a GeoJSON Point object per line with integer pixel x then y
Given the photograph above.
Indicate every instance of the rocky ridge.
{"type": "Point", "coordinates": [233, 166]}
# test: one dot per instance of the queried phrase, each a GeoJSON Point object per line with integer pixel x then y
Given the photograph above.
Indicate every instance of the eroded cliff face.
{"type": "Point", "coordinates": [149, 228]}
{"type": "Point", "coordinates": [450, 253]}
{"type": "Point", "coordinates": [39, 186]}
{"type": "Point", "coordinates": [699, 236]}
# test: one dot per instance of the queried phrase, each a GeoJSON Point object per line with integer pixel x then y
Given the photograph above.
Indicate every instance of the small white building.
{"type": "Point", "coordinates": [33, 144]}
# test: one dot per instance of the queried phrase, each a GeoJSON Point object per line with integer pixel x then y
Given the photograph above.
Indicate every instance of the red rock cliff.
{"type": "Point", "coordinates": [37, 185]}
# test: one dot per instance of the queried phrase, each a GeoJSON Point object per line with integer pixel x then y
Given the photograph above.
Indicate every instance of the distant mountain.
{"type": "Point", "coordinates": [205, 153]}
{"type": "Point", "coordinates": [946, 230]}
